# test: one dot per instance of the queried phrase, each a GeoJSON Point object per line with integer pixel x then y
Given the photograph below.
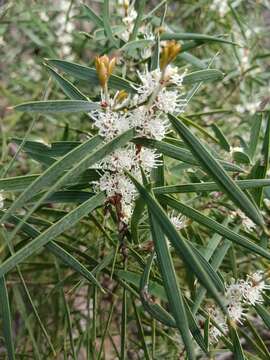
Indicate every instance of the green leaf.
{"type": "Point", "coordinates": [52, 232]}
{"type": "Point", "coordinates": [254, 135]}
{"type": "Point", "coordinates": [92, 15]}
{"type": "Point", "coordinates": [20, 183]}
{"type": "Point", "coordinates": [207, 186]}
{"type": "Point", "coordinates": [69, 89]}
{"type": "Point", "coordinates": [221, 137]}
{"type": "Point", "coordinates": [136, 44]}
{"type": "Point", "coordinates": [90, 75]}
{"type": "Point", "coordinates": [203, 76]}
{"type": "Point", "coordinates": [49, 177]}
{"type": "Point", "coordinates": [216, 171]}
{"type": "Point", "coordinates": [139, 18]}
{"type": "Point", "coordinates": [178, 153]}
{"type": "Point", "coordinates": [261, 167]}
{"type": "Point", "coordinates": [106, 23]}
{"type": "Point", "coordinates": [241, 157]}
{"type": "Point", "coordinates": [193, 36]}
{"type": "Point", "coordinates": [182, 247]}
{"type": "Point", "coordinates": [172, 289]}
{"type": "Point", "coordinates": [237, 348]}
{"type": "Point", "coordinates": [6, 319]}
{"type": "Point", "coordinates": [193, 60]}
{"type": "Point", "coordinates": [58, 106]}
{"type": "Point", "coordinates": [264, 314]}
{"type": "Point", "coordinates": [71, 175]}
{"type": "Point", "coordinates": [214, 225]}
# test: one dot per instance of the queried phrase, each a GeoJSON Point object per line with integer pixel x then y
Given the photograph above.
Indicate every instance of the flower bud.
{"type": "Point", "coordinates": [169, 53]}
{"type": "Point", "coordinates": [121, 96]}
{"type": "Point", "coordinates": [104, 67]}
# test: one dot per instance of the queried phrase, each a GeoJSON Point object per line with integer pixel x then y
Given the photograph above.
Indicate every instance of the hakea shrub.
{"type": "Point", "coordinates": [204, 297]}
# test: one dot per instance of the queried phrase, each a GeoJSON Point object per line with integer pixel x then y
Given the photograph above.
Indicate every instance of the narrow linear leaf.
{"type": "Point", "coordinates": [6, 319]}
{"type": "Point", "coordinates": [69, 89]}
{"type": "Point", "coordinates": [194, 36]}
{"type": "Point", "coordinates": [92, 15]}
{"type": "Point", "coordinates": [52, 232]}
{"type": "Point", "coordinates": [207, 186]}
{"type": "Point", "coordinates": [58, 106]}
{"type": "Point", "coordinates": [214, 225]}
{"type": "Point", "coordinates": [139, 18]}
{"type": "Point", "coordinates": [53, 173]}
{"type": "Point", "coordinates": [178, 153]}
{"type": "Point", "coordinates": [172, 289]}
{"type": "Point", "coordinates": [181, 246]}
{"type": "Point", "coordinates": [203, 76]}
{"type": "Point", "coordinates": [90, 75]}
{"type": "Point", "coordinates": [216, 171]}
{"type": "Point", "coordinates": [106, 23]}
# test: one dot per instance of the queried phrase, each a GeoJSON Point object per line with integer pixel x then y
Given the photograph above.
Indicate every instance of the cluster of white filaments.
{"type": "Point", "coordinates": [146, 112]}
{"type": "Point", "coordinates": [239, 296]}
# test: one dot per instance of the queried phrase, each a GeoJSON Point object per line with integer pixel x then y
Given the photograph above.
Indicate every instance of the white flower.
{"type": "Point", "coordinates": [149, 82]}
{"type": "Point", "coordinates": [255, 286]}
{"type": "Point", "coordinates": [148, 159]}
{"type": "Point", "coordinates": [2, 198]}
{"type": "Point", "coordinates": [120, 160]}
{"type": "Point", "coordinates": [236, 311]}
{"type": "Point", "coordinates": [138, 117]}
{"type": "Point", "coordinates": [148, 123]}
{"type": "Point", "coordinates": [173, 76]}
{"type": "Point", "coordinates": [170, 101]}
{"type": "Point", "coordinates": [218, 317]}
{"type": "Point", "coordinates": [178, 221]}
{"type": "Point", "coordinates": [118, 184]}
{"type": "Point", "coordinates": [131, 16]}
{"type": "Point", "coordinates": [156, 128]}
{"type": "Point", "coordinates": [110, 123]}
{"type": "Point", "coordinates": [247, 223]}
{"type": "Point", "coordinates": [235, 291]}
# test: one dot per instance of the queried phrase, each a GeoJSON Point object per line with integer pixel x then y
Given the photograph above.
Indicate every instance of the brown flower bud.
{"type": "Point", "coordinates": [169, 53]}
{"type": "Point", "coordinates": [104, 67]}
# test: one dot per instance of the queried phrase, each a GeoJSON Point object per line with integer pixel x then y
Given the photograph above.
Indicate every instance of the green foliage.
{"type": "Point", "coordinates": [75, 280]}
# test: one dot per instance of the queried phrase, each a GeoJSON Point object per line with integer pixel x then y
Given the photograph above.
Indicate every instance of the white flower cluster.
{"type": "Point", "coordinates": [247, 223]}
{"type": "Point", "coordinates": [179, 221]}
{"type": "Point", "coordinates": [148, 117]}
{"type": "Point", "coordinates": [239, 295]}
